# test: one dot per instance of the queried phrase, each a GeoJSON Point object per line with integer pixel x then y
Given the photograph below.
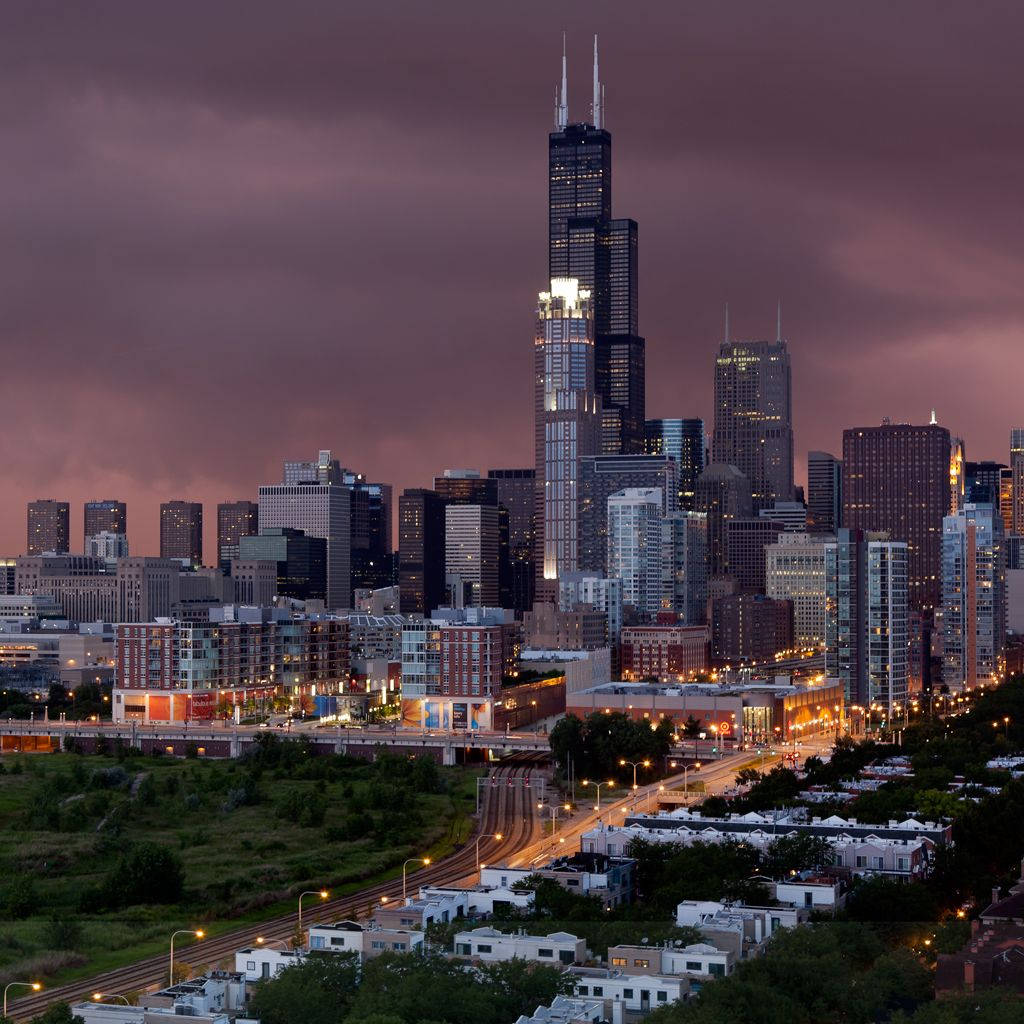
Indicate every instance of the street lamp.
{"type": "Point", "coordinates": [98, 997]}
{"type": "Point", "coordinates": [264, 944]}
{"type": "Point", "coordinates": [598, 785]}
{"type": "Point", "coordinates": [412, 860]}
{"type": "Point", "coordinates": [635, 765]}
{"type": "Point", "coordinates": [554, 812]}
{"type": "Point", "coordinates": [199, 933]}
{"type": "Point", "coordinates": [34, 985]}
{"type": "Point", "coordinates": [492, 835]}
{"type": "Point", "coordinates": [322, 893]}
{"type": "Point", "coordinates": [686, 776]}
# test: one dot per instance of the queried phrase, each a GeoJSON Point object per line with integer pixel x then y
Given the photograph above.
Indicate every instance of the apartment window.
{"type": "Point", "coordinates": [250, 965]}
{"type": "Point", "coordinates": [582, 989]}
{"type": "Point", "coordinates": [484, 947]}
{"type": "Point", "coordinates": [694, 965]}
{"type": "Point", "coordinates": [566, 956]}
{"type": "Point", "coordinates": [547, 954]}
{"type": "Point", "coordinates": [878, 863]}
{"type": "Point", "coordinates": [335, 941]}
{"type": "Point", "coordinates": [862, 862]}
{"type": "Point", "coordinates": [619, 961]}
{"type": "Point", "coordinates": [716, 970]}
{"type": "Point", "coordinates": [903, 863]}
{"type": "Point", "coordinates": [398, 945]}
{"type": "Point", "coordinates": [316, 942]}
{"type": "Point", "coordinates": [377, 944]}
{"type": "Point", "coordinates": [598, 990]}
{"type": "Point", "coordinates": [662, 997]}
{"type": "Point", "coordinates": [627, 993]}
{"type": "Point", "coordinates": [641, 963]}
{"type": "Point", "coordinates": [463, 948]}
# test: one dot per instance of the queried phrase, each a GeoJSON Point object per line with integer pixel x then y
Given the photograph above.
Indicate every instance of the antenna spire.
{"type": "Point", "coordinates": [562, 107]}
{"type": "Point", "coordinates": [778, 322]}
{"type": "Point", "coordinates": [598, 91]}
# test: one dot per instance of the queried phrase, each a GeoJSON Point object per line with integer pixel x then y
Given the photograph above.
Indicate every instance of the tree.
{"type": "Point", "coordinates": [319, 989]}
{"type": "Point", "coordinates": [58, 1013]}
{"type": "Point", "coordinates": [797, 853]}
{"type": "Point", "coordinates": [692, 727]}
{"type": "Point", "coordinates": [884, 899]}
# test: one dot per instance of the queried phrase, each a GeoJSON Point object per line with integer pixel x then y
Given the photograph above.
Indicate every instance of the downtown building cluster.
{"type": "Point", "coordinates": [664, 549]}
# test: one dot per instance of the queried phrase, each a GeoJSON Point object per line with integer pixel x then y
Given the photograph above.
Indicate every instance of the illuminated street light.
{"type": "Point", "coordinates": [198, 933]}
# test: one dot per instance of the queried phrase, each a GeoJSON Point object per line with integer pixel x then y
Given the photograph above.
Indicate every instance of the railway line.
{"type": "Point", "coordinates": [507, 809]}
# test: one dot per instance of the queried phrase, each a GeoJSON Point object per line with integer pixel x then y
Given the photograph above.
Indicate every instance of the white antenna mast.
{"type": "Point", "coordinates": [562, 108]}
{"type": "Point", "coordinates": [598, 92]}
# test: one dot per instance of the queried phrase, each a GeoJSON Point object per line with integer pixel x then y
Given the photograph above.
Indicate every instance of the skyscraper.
{"type": "Point", "coordinates": [635, 546]}
{"type": "Point", "coordinates": [746, 539]}
{"type": "Point", "coordinates": [684, 440]}
{"type": "Point", "coordinates": [867, 617]}
{"type": "Point", "coordinates": [754, 416]}
{"type": "Point", "coordinates": [982, 483]}
{"type": "Point", "coordinates": [420, 551]}
{"type": "Point", "coordinates": [896, 479]}
{"type": "Point", "coordinates": [1017, 471]}
{"type": "Point", "coordinates": [957, 475]}
{"type": "Point", "coordinates": [684, 566]}
{"type": "Point", "coordinates": [471, 551]}
{"type": "Point", "coordinates": [824, 492]}
{"type": "Point", "coordinates": [321, 506]}
{"type": "Point", "coordinates": [567, 424]}
{"type": "Point", "coordinates": [466, 487]}
{"type": "Point", "coordinates": [601, 476]}
{"type": "Point", "coordinates": [301, 561]}
{"type": "Point", "coordinates": [107, 516]}
{"type": "Point", "coordinates": [723, 494]}
{"type": "Point", "coordinates": [585, 243]}
{"type": "Point", "coordinates": [49, 527]}
{"type": "Point", "coordinates": [973, 597]}
{"type": "Point", "coordinates": [235, 519]}
{"type": "Point", "coordinates": [372, 564]}
{"type": "Point", "coordinates": [516, 495]}
{"type": "Point", "coordinates": [181, 531]}
{"type": "Point", "coordinates": [795, 571]}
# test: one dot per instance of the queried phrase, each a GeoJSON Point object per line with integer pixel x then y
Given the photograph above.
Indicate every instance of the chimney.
{"type": "Point", "coordinates": [995, 894]}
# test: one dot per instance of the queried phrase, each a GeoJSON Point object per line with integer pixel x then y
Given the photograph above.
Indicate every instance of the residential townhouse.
{"type": "Point", "coordinates": [628, 997]}
{"type": "Point", "coordinates": [489, 944]}
{"type": "Point", "coordinates": [699, 958]}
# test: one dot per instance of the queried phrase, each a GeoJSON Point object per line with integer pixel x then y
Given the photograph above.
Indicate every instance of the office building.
{"type": "Point", "coordinates": [684, 566]}
{"type": "Point", "coordinates": [421, 553]}
{"type": "Point", "coordinates": [753, 416]}
{"type": "Point", "coordinates": [106, 516]}
{"type": "Point", "coordinates": [634, 547]}
{"type": "Point", "coordinates": [587, 244]}
{"type": "Point", "coordinates": [957, 474]}
{"type": "Point", "coordinates": [824, 492]}
{"type": "Point", "coordinates": [181, 531]}
{"type": "Point", "coordinates": [973, 597]}
{"type": "Point", "coordinates": [795, 572]}
{"type": "Point", "coordinates": [300, 561]}
{"type": "Point", "coordinates": [516, 495]}
{"type": "Point", "coordinates": [601, 477]}
{"type": "Point", "coordinates": [745, 541]}
{"type": "Point", "coordinates": [49, 527]}
{"type": "Point", "coordinates": [107, 546]}
{"type": "Point", "coordinates": [466, 487]}
{"type": "Point", "coordinates": [235, 519]}
{"type": "Point", "coordinates": [601, 593]}
{"type": "Point", "coordinates": [723, 494]}
{"type": "Point", "coordinates": [567, 424]}
{"type": "Point", "coordinates": [750, 628]}
{"type": "Point", "coordinates": [320, 509]}
{"type": "Point", "coordinates": [372, 562]}
{"type": "Point", "coordinates": [867, 617]}
{"type": "Point", "coordinates": [471, 551]}
{"type": "Point", "coordinates": [664, 653]}
{"type": "Point", "coordinates": [790, 515]}
{"type": "Point", "coordinates": [684, 441]}
{"type": "Point", "coordinates": [325, 470]}
{"type": "Point", "coordinates": [1017, 480]}
{"type": "Point", "coordinates": [1006, 500]}
{"type": "Point", "coordinates": [896, 479]}
{"type": "Point", "coordinates": [547, 627]}
{"type": "Point", "coordinates": [983, 483]}
{"type": "Point", "coordinates": [254, 581]}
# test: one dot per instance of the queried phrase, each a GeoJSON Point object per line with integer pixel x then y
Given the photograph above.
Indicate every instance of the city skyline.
{"type": "Point", "coordinates": [202, 303]}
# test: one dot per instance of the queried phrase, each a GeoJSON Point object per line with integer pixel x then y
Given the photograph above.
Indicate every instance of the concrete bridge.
{"type": "Point", "coordinates": [223, 740]}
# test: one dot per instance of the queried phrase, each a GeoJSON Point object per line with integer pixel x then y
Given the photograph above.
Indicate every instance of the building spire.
{"type": "Point", "coordinates": [778, 322]}
{"type": "Point", "coordinates": [562, 106]}
{"type": "Point", "coordinates": [933, 421]}
{"type": "Point", "coordinates": [598, 102]}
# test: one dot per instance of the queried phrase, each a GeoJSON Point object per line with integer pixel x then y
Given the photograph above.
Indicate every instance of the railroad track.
{"type": "Point", "coordinates": [508, 809]}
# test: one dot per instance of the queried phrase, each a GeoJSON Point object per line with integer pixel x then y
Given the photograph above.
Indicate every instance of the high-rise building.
{"type": "Point", "coordinates": [684, 566]}
{"type": "Point", "coordinates": [466, 487]}
{"type": "Point", "coordinates": [790, 515]}
{"type": "Point", "coordinates": [108, 546]}
{"type": "Point", "coordinates": [420, 551]}
{"type": "Point", "coordinates": [685, 441]}
{"type": "Point", "coordinates": [106, 516]}
{"type": "Point", "coordinates": [516, 495]}
{"type": "Point", "coordinates": [471, 551]}
{"type": "Point", "coordinates": [754, 417]}
{"type": "Point", "coordinates": [49, 527]}
{"type": "Point", "coordinates": [372, 565]}
{"type": "Point", "coordinates": [983, 483]}
{"type": "Point", "coordinates": [585, 243]}
{"type": "Point", "coordinates": [824, 492]}
{"type": "Point", "coordinates": [235, 519]}
{"type": "Point", "coordinates": [867, 617]}
{"type": "Point", "coordinates": [957, 474]}
{"type": "Point", "coordinates": [634, 547]}
{"type": "Point", "coordinates": [723, 494]}
{"type": "Point", "coordinates": [181, 530]}
{"type": "Point", "coordinates": [795, 572]}
{"type": "Point", "coordinates": [745, 541]}
{"type": "Point", "coordinates": [604, 475]}
{"type": "Point", "coordinates": [1017, 471]}
{"type": "Point", "coordinates": [973, 597]}
{"type": "Point", "coordinates": [576, 588]}
{"type": "Point", "coordinates": [300, 560]}
{"type": "Point", "coordinates": [750, 628]}
{"type": "Point", "coordinates": [1006, 500]}
{"type": "Point", "coordinates": [320, 506]}
{"type": "Point", "coordinates": [896, 479]}
{"type": "Point", "coordinates": [567, 424]}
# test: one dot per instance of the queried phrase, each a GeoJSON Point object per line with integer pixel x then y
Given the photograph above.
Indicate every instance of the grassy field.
{"type": "Point", "coordinates": [87, 842]}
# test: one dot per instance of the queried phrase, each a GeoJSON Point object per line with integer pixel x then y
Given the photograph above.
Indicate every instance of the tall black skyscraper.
{"type": "Point", "coordinates": [584, 242]}
{"type": "Point", "coordinates": [684, 441]}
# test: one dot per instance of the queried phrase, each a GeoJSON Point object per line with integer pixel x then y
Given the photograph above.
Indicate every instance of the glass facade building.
{"type": "Point", "coordinates": [684, 440]}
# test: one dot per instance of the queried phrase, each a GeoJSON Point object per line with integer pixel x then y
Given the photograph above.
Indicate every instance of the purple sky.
{"type": "Point", "coordinates": [235, 233]}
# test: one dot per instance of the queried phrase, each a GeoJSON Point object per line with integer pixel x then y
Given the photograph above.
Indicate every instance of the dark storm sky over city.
{"type": "Point", "coordinates": [234, 233]}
